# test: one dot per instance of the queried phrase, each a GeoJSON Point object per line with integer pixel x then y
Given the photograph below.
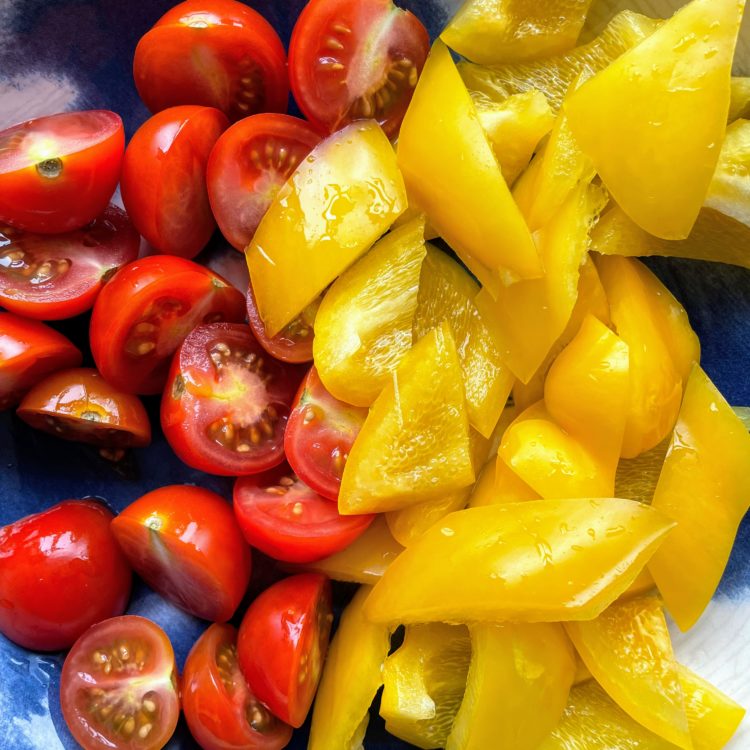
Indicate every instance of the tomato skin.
{"type": "Point", "coordinates": [83, 155]}
{"type": "Point", "coordinates": [185, 543]}
{"type": "Point", "coordinates": [217, 701]}
{"type": "Point", "coordinates": [240, 67]}
{"type": "Point", "coordinates": [282, 644]}
{"type": "Point", "coordinates": [167, 297]}
{"type": "Point", "coordinates": [119, 686]}
{"type": "Point", "coordinates": [29, 351]}
{"type": "Point", "coordinates": [61, 571]}
{"type": "Point", "coordinates": [164, 178]}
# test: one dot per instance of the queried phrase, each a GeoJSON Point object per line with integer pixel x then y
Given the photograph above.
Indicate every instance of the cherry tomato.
{"type": "Point", "coordinates": [294, 343]}
{"type": "Point", "coordinates": [185, 543]}
{"type": "Point", "coordinates": [164, 178]}
{"type": "Point", "coordinates": [283, 641]}
{"type": "Point", "coordinates": [54, 277]}
{"type": "Point", "coordinates": [226, 403]}
{"type": "Point", "coordinates": [58, 173]}
{"type": "Point", "coordinates": [284, 518]}
{"type": "Point", "coordinates": [248, 166]}
{"type": "Point", "coordinates": [80, 405]}
{"type": "Point", "coordinates": [118, 686]}
{"type": "Point", "coordinates": [218, 53]}
{"type": "Point", "coordinates": [319, 435]}
{"type": "Point", "coordinates": [144, 313]}
{"type": "Point", "coordinates": [221, 711]}
{"type": "Point", "coordinates": [352, 61]}
{"type": "Point", "coordinates": [29, 351]}
{"type": "Point", "coordinates": [61, 571]}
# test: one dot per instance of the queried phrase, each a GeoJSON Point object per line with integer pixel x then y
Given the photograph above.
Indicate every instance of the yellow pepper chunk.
{"type": "Point", "coordinates": [341, 198]}
{"type": "Point", "coordinates": [352, 674]}
{"type": "Point", "coordinates": [740, 99]}
{"type": "Point", "coordinates": [540, 561]}
{"type": "Point", "coordinates": [364, 324]}
{"type": "Point", "coordinates": [628, 650]}
{"type": "Point", "coordinates": [414, 444]}
{"type": "Point", "coordinates": [653, 121]}
{"type": "Point", "coordinates": [518, 684]}
{"type": "Point", "coordinates": [730, 188]}
{"type": "Point", "coordinates": [637, 477]}
{"type": "Point", "coordinates": [704, 485]}
{"type": "Point", "coordinates": [465, 180]}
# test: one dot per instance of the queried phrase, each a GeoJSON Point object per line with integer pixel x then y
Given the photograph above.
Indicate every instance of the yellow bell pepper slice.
{"type": "Point", "coordinates": [637, 477]}
{"type": "Point", "coordinates": [414, 444]}
{"type": "Point", "coordinates": [352, 674]}
{"type": "Point", "coordinates": [628, 650]}
{"type": "Point", "coordinates": [341, 198]}
{"type": "Point", "coordinates": [466, 179]}
{"type": "Point", "coordinates": [364, 324]}
{"type": "Point", "coordinates": [730, 188]}
{"type": "Point", "coordinates": [704, 485]}
{"type": "Point", "coordinates": [653, 121]}
{"type": "Point", "coordinates": [739, 106]}
{"type": "Point", "coordinates": [518, 684]}
{"type": "Point", "coordinates": [424, 683]}
{"type": "Point", "coordinates": [540, 561]}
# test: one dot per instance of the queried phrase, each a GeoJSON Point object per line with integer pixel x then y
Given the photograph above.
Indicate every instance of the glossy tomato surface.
{"type": "Point", "coordinates": [218, 53]}
{"type": "Point", "coordinates": [118, 687]}
{"type": "Point", "coordinates": [51, 277]}
{"type": "Point", "coordinates": [356, 61]}
{"type": "Point", "coordinates": [220, 709]}
{"type": "Point", "coordinates": [61, 571]}
{"type": "Point", "coordinates": [283, 641]}
{"type": "Point", "coordinates": [145, 312]}
{"type": "Point", "coordinates": [164, 178]}
{"type": "Point", "coordinates": [284, 518]}
{"type": "Point", "coordinates": [58, 173]}
{"type": "Point", "coordinates": [185, 543]}
{"type": "Point", "coordinates": [29, 351]}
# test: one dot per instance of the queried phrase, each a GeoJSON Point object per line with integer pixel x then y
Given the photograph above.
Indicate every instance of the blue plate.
{"type": "Point", "coordinates": [77, 54]}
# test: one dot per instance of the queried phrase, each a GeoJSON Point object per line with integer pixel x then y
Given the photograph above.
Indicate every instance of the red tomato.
{"type": "Point", "coordinates": [164, 178]}
{"type": "Point", "coordinates": [29, 350]}
{"type": "Point", "coordinates": [185, 543]}
{"type": "Point", "coordinates": [221, 711]}
{"type": "Point", "coordinates": [144, 313]}
{"type": "Point", "coordinates": [284, 518]}
{"type": "Point", "coordinates": [226, 403]}
{"type": "Point", "coordinates": [118, 686]}
{"type": "Point", "coordinates": [80, 405]}
{"type": "Point", "coordinates": [61, 571]}
{"type": "Point", "coordinates": [352, 61]}
{"type": "Point", "coordinates": [319, 436]}
{"type": "Point", "coordinates": [283, 641]}
{"type": "Point", "coordinates": [218, 53]}
{"type": "Point", "coordinates": [58, 173]}
{"type": "Point", "coordinates": [54, 277]}
{"type": "Point", "coordinates": [248, 166]}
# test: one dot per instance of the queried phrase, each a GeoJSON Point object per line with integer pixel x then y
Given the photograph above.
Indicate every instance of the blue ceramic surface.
{"type": "Point", "coordinates": [77, 54]}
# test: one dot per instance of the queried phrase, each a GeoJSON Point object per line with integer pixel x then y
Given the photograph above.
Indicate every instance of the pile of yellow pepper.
{"type": "Point", "coordinates": [528, 544]}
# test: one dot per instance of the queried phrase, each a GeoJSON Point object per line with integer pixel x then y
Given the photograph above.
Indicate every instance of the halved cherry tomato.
{"type": "Point", "coordinates": [29, 351]}
{"type": "Point", "coordinates": [284, 518]}
{"type": "Point", "coordinates": [61, 571]}
{"type": "Point", "coordinates": [58, 173]}
{"type": "Point", "coordinates": [248, 166]}
{"type": "Point", "coordinates": [80, 405]}
{"type": "Point", "coordinates": [164, 178]}
{"type": "Point", "coordinates": [283, 641]}
{"type": "Point", "coordinates": [54, 277]}
{"type": "Point", "coordinates": [319, 436]}
{"type": "Point", "coordinates": [218, 53]}
{"type": "Point", "coordinates": [185, 543]}
{"type": "Point", "coordinates": [220, 709]}
{"type": "Point", "coordinates": [144, 313]}
{"type": "Point", "coordinates": [226, 402]}
{"type": "Point", "coordinates": [351, 61]}
{"type": "Point", "coordinates": [118, 686]}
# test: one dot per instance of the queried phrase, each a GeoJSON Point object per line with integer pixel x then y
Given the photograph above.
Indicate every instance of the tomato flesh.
{"type": "Point", "coordinates": [118, 686]}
